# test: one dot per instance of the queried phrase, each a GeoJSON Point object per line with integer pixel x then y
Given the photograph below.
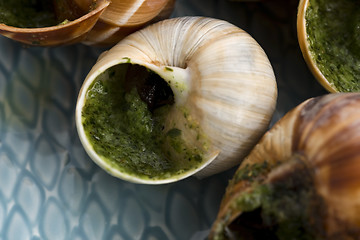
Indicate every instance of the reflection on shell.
{"type": "Point", "coordinates": [325, 133]}
{"type": "Point", "coordinates": [230, 88]}
{"type": "Point", "coordinates": [95, 22]}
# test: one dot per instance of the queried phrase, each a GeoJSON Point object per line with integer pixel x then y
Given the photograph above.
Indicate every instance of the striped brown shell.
{"type": "Point", "coordinates": [325, 131]}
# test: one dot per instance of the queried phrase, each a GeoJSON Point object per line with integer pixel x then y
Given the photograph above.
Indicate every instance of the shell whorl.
{"type": "Point", "coordinates": [326, 131]}
{"type": "Point", "coordinates": [232, 87]}
{"type": "Point", "coordinates": [124, 17]}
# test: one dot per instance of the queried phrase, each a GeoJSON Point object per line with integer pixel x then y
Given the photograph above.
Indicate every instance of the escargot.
{"type": "Point", "coordinates": [328, 34]}
{"type": "Point", "coordinates": [92, 22]}
{"type": "Point", "coordinates": [301, 181]}
{"type": "Point", "coordinates": [207, 93]}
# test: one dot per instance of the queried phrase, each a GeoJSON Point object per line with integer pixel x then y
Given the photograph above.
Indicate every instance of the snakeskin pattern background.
{"type": "Point", "coordinates": [49, 187]}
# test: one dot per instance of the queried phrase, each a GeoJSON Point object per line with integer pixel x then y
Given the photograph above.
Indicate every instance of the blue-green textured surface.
{"type": "Point", "coordinates": [49, 187]}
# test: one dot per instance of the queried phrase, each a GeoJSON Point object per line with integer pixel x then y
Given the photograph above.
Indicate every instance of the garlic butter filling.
{"type": "Point", "coordinates": [124, 119]}
{"type": "Point", "coordinates": [27, 14]}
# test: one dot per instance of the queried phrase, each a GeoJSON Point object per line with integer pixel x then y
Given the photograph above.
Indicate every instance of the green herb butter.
{"type": "Point", "coordinates": [286, 208]}
{"type": "Point", "coordinates": [333, 28]}
{"type": "Point", "coordinates": [128, 132]}
{"type": "Point", "coordinates": [27, 14]}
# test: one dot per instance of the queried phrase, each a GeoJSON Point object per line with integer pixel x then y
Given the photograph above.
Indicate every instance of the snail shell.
{"type": "Point", "coordinates": [72, 32]}
{"type": "Point", "coordinates": [92, 22]}
{"type": "Point", "coordinates": [228, 84]}
{"type": "Point", "coordinates": [124, 17]}
{"type": "Point", "coordinates": [324, 132]}
{"type": "Point", "coordinates": [305, 47]}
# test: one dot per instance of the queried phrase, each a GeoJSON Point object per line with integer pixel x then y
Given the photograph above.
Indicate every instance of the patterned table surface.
{"type": "Point", "coordinates": [50, 189]}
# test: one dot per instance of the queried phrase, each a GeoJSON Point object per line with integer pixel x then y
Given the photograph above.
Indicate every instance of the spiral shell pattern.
{"type": "Point", "coordinates": [326, 132]}
{"type": "Point", "coordinates": [230, 85]}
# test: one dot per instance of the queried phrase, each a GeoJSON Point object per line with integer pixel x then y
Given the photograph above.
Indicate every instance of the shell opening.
{"type": "Point", "coordinates": [151, 88]}
{"type": "Point", "coordinates": [285, 205]}
{"type": "Point", "coordinates": [127, 120]}
{"type": "Point", "coordinates": [178, 80]}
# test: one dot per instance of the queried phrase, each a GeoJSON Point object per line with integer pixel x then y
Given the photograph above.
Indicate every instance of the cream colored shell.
{"type": "Point", "coordinates": [228, 84]}
{"type": "Point", "coordinates": [326, 132]}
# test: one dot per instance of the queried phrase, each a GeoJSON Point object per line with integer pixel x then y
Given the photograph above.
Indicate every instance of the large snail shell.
{"type": "Point", "coordinates": [325, 132]}
{"type": "Point", "coordinates": [228, 83]}
{"type": "Point", "coordinates": [101, 22]}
